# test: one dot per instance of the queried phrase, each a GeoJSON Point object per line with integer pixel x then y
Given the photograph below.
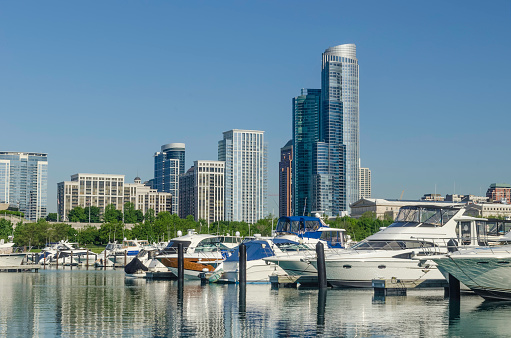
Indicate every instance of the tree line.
{"type": "Point", "coordinates": [158, 228]}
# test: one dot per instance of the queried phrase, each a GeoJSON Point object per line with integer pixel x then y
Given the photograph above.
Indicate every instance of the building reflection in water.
{"type": "Point", "coordinates": [100, 303]}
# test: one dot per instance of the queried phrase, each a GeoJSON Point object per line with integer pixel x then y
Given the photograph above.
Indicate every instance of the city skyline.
{"type": "Point", "coordinates": [86, 85]}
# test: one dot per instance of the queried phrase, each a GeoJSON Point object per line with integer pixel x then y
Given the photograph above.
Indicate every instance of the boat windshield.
{"type": "Point", "coordinates": [392, 245]}
{"type": "Point", "coordinates": [210, 244]}
{"type": "Point", "coordinates": [413, 216]}
{"type": "Point", "coordinates": [171, 248]}
{"type": "Point", "coordinates": [289, 246]}
{"type": "Point", "coordinates": [333, 237]}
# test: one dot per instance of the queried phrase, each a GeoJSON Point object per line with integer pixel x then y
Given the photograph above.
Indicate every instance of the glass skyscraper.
{"type": "Point", "coordinates": [24, 182]}
{"type": "Point", "coordinates": [245, 155]}
{"type": "Point", "coordinates": [339, 119]}
{"type": "Point", "coordinates": [169, 163]}
{"type": "Point", "coordinates": [306, 131]}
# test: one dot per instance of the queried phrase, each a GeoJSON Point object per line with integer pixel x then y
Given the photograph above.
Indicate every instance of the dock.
{"type": "Point", "coordinates": [398, 287]}
{"type": "Point", "coordinates": [278, 281]}
{"type": "Point", "coordinates": [21, 268]}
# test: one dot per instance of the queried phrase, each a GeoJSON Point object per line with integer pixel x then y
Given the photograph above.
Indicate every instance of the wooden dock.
{"type": "Point", "coordinates": [21, 268]}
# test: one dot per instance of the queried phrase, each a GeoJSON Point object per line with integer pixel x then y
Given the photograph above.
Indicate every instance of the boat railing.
{"type": "Point", "coordinates": [441, 246]}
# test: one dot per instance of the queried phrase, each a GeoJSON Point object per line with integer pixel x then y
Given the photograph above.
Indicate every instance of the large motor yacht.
{"type": "Point", "coordinates": [388, 253]}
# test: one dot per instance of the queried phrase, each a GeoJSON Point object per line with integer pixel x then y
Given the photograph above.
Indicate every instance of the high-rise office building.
{"type": "Point", "coordinates": [144, 197]}
{"type": "Point", "coordinates": [365, 183]}
{"type": "Point", "coordinates": [202, 191]}
{"type": "Point", "coordinates": [339, 133]}
{"type": "Point", "coordinates": [245, 155]}
{"type": "Point", "coordinates": [169, 163]}
{"type": "Point", "coordinates": [286, 180]}
{"type": "Point", "coordinates": [24, 182]}
{"type": "Point", "coordinates": [306, 130]}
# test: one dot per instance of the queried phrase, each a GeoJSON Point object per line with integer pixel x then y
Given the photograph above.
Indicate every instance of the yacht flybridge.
{"type": "Point", "coordinates": [388, 253]}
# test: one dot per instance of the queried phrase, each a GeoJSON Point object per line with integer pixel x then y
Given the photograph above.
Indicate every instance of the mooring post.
{"type": "Point", "coordinates": [242, 266]}
{"type": "Point", "coordinates": [125, 257]}
{"type": "Point", "coordinates": [320, 253]}
{"type": "Point", "coordinates": [87, 260]}
{"type": "Point", "coordinates": [454, 287]}
{"type": "Point", "coordinates": [104, 261]}
{"type": "Point", "coordinates": [180, 262]}
{"type": "Point", "coordinates": [71, 262]}
{"type": "Point", "coordinates": [57, 255]}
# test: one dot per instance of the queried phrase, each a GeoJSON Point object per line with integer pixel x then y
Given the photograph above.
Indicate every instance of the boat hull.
{"type": "Point", "coordinates": [11, 259]}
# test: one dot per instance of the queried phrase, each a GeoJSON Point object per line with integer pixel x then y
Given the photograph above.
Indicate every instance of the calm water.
{"type": "Point", "coordinates": [105, 303]}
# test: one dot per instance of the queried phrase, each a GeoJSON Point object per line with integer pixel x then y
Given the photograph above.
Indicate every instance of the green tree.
{"type": "Point", "coordinates": [52, 217]}
{"type": "Point", "coordinates": [112, 214]}
{"type": "Point", "coordinates": [77, 214]}
{"type": "Point", "coordinates": [89, 235]}
{"type": "Point", "coordinates": [149, 216]}
{"type": "Point", "coordinates": [91, 215]}
{"type": "Point", "coordinates": [5, 228]}
{"type": "Point", "coordinates": [129, 213]}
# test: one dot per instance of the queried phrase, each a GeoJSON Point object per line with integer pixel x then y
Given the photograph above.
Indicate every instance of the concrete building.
{"type": "Point", "coordinates": [365, 183]}
{"type": "Point", "coordinates": [245, 155]}
{"type": "Point", "coordinates": [86, 190]}
{"type": "Point", "coordinates": [499, 192]}
{"type": "Point", "coordinates": [24, 182]}
{"type": "Point", "coordinates": [489, 210]}
{"type": "Point", "coordinates": [432, 197]}
{"type": "Point", "coordinates": [169, 163]}
{"type": "Point", "coordinates": [286, 180]}
{"type": "Point", "coordinates": [466, 198]}
{"type": "Point", "coordinates": [144, 197]}
{"type": "Point", "coordinates": [202, 191]}
{"type": "Point", "coordinates": [383, 208]}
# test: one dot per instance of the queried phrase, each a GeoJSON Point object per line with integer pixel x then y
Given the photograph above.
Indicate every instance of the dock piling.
{"type": "Point", "coordinates": [242, 266]}
{"type": "Point", "coordinates": [180, 262]}
{"type": "Point", "coordinates": [454, 287]}
{"type": "Point", "coordinates": [320, 253]}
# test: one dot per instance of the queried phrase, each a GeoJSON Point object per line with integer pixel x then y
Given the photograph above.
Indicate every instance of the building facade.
{"type": "Point", "coordinates": [286, 180]}
{"type": "Point", "coordinates": [169, 163]}
{"type": "Point", "coordinates": [245, 155]}
{"type": "Point", "coordinates": [365, 183]}
{"type": "Point", "coordinates": [339, 130]}
{"type": "Point", "coordinates": [306, 130]}
{"type": "Point", "coordinates": [144, 197]}
{"type": "Point", "coordinates": [86, 190]}
{"type": "Point", "coordinates": [24, 182]}
{"type": "Point", "coordinates": [499, 192]}
{"type": "Point", "coordinates": [202, 191]}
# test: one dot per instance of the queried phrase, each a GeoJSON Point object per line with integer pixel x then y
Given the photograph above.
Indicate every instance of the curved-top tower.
{"type": "Point", "coordinates": [337, 152]}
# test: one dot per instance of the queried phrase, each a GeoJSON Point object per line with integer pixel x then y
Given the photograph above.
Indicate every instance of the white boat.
{"type": "Point", "coordinates": [389, 253]}
{"type": "Point", "coordinates": [202, 252]}
{"type": "Point", "coordinates": [8, 257]}
{"type": "Point", "coordinates": [129, 249]}
{"type": "Point", "coordinates": [486, 270]}
{"type": "Point", "coordinates": [145, 262]}
{"type": "Point", "coordinates": [102, 259]}
{"type": "Point", "coordinates": [64, 253]}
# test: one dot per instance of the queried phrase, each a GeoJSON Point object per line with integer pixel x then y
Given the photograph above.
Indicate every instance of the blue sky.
{"type": "Point", "coordinates": [100, 86]}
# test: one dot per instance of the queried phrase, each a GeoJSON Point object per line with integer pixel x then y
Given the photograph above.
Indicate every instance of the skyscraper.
{"type": "Point", "coordinates": [169, 163]}
{"type": "Point", "coordinates": [245, 155]}
{"type": "Point", "coordinates": [339, 132]}
{"type": "Point", "coordinates": [24, 182]}
{"type": "Point", "coordinates": [365, 183]}
{"type": "Point", "coordinates": [306, 130]}
{"type": "Point", "coordinates": [286, 180]}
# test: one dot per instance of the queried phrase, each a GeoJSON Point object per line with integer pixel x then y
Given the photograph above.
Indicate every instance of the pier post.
{"type": "Point", "coordinates": [320, 253]}
{"type": "Point", "coordinates": [104, 261]}
{"type": "Point", "coordinates": [87, 260]}
{"type": "Point", "coordinates": [180, 262]}
{"type": "Point", "coordinates": [242, 266]}
{"type": "Point", "coordinates": [71, 260]}
{"type": "Point", "coordinates": [242, 305]}
{"type": "Point", "coordinates": [320, 321]}
{"type": "Point", "coordinates": [57, 255]}
{"type": "Point", "coordinates": [454, 287]}
{"type": "Point", "coordinates": [125, 257]}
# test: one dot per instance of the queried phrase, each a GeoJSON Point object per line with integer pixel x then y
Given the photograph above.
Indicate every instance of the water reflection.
{"type": "Point", "coordinates": [99, 302]}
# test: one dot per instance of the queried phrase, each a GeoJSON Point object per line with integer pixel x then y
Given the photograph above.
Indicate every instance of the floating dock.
{"type": "Point", "coordinates": [398, 287]}
{"type": "Point", "coordinates": [21, 268]}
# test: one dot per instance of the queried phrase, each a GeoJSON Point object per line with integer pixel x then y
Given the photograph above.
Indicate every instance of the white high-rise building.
{"type": "Point", "coordinates": [24, 182]}
{"type": "Point", "coordinates": [245, 155]}
{"type": "Point", "coordinates": [144, 197]}
{"type": "Point", "coordinates": [365, 183]}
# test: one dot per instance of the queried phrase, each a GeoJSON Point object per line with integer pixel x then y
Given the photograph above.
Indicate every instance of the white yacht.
{"type": "Point", "coordinates": [486, 270]}
{"type": "Point", "coordinates": [388, 253]}
{"type": "Point", "coordinates": [202, 252]}
{"type": "Point", "coordinates": [7, 256]}
{"type": "Point", "coordinates": [129, 249]}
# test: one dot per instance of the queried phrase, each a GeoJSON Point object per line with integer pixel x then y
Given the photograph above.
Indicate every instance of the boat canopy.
{"type": "Point", "coordinates": [255, 250]}
{"type": "Point", "coordinates": [424, 216]}
{"type": "Point", "coordinates": [300, 225]}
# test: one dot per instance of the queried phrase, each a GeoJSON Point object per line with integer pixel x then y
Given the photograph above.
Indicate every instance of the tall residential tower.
{"type": "Point", "coordinates": [245, 155]}
{"type": "Point", "coordinates": [169, 163]}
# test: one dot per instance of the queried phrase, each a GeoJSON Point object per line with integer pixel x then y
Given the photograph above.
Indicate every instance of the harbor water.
{"type": "Point", "coordinates": [82, 302]}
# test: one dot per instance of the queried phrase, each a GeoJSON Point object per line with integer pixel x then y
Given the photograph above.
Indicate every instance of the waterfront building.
{"type": "Point", "coordinates": [365, 183]}
{"type": "Point", "coordinates": [86, 190]}
{"type": "Point", "coordinates": [169, 163]}
{"type": "Point", "coordinates": [144, 197]}
{"type": "Point", "coordinates": [499, 192]}
{"type": "Point", "coordinates": [202, 191]}
{"type": "Point", "coordinates": [432, 197]}
{"type": "Point", "coordinates": [24, 182]}
{"type": "Point", "coordinates": [245, 155]}
{"type": "Point", "coordinates": [306, 130]}
{"type": "Point", "coordinates": [286, 180]}
{"type": "Point", "coordinates": [466, 198]}
{"type": "Point", "coordinates": [337, 183]}
{"type": "Point", "coordinates": [489, 210]}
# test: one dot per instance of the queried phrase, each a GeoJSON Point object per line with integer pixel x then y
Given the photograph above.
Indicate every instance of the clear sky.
{"type": "Point", "coordinates": [101, 85]}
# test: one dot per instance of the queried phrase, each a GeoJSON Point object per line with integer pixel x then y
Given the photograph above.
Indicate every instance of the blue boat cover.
{"type": "Point", "coordinates": [255, 250]}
